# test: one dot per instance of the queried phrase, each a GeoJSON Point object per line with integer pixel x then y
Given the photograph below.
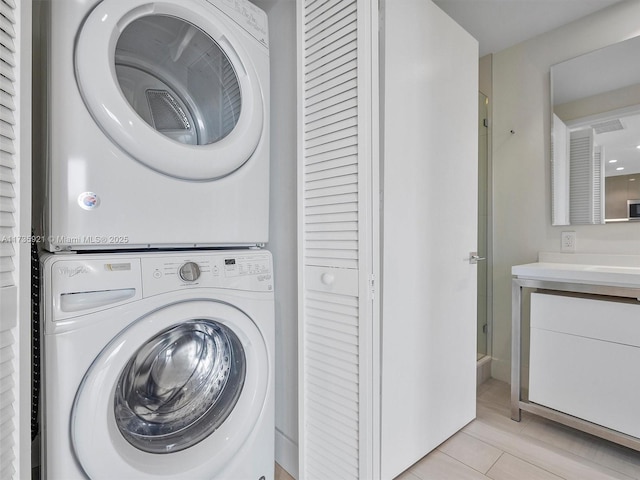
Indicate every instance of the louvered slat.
{"type": "Point", "coordinates": [6, 26]}
{"type": "Point", "coordinates": [6, 116]}
{"type": "Point", "coordinates": [326, 120]}
{"type": "Point", "coordinates": [332, 129]}
{"type": "Point", "coordinates": [7, 205]}
{"type": "Point", "coordinates": [6, 68]}
{"type": "Point", "coordinates": [322, 173]}
{"type": "Point", "coordinates": [7, 42]}
{"type": "Point", "coordinates": [6, 100]}
{"type": "Point", "coordinates": [7, 85]}
{"type": "Point", "coordinates": [319, 219]}
{"type": "Point", "coordinates": [333, 200]}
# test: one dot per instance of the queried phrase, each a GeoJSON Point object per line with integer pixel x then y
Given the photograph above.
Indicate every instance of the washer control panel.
{"type": "Point", "coordinates": [250, 271]}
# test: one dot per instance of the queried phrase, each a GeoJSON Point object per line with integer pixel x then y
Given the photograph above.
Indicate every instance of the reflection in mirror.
{"type": "Point", "coordinates": [596, 136]}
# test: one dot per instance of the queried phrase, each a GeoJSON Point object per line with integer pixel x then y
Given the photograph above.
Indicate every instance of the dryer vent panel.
{"type": "Point", "coordinates": [166, 113]}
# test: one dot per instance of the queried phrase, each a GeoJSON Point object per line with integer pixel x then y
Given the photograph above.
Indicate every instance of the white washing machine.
{"type": "Point", "coordinates": [156, 123]}
{"type": "Point", "coordinates": [158, 366]}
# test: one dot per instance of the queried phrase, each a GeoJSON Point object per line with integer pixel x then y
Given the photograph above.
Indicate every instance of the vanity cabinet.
{"type": "Point", "coordinates": [580, 347]}
{"type": "Point", "coordinates": [584, 357]}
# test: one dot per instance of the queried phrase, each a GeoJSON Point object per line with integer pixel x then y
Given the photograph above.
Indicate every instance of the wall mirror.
{"type": "Point", "coordinates": [595, 138]}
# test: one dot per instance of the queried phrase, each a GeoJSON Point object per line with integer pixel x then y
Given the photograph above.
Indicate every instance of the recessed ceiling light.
{"type": "Point", "coordinates": [638, 146]}
{"type": "Point", "coordinates": [632, 179]}
{"type": "Point", "coordinates": [620, 168]}
{"type": "Point", "coordinates": [613, 161]}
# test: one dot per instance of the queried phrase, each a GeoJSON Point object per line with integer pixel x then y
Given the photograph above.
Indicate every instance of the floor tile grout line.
{"type": "Point", "coordinates": [462, 463]}
{"type": "Point", "coordinates": [462, 432]}
{"type": "Point", "coordinates": [502, 452]}
{"type": "Point", "coordinates": [539, 467]}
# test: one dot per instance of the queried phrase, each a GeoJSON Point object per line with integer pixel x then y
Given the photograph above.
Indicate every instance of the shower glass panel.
{"type": "Point", "coordinates": [483, 222]}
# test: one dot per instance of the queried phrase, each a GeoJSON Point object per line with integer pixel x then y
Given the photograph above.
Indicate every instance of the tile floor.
{"type": "Point", "coordinates": [495, 447]}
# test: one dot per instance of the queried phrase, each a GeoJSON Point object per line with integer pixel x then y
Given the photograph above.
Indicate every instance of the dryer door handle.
{"type": "Point", "coordinates": [76, 301]}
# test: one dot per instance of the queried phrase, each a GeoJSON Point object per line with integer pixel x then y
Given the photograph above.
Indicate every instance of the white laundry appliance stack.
{"type": "Point", "coordinates": [157, 297]}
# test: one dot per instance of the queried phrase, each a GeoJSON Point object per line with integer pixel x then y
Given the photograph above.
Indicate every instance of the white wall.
{"type": "Point", "coordinates": [521, 161]}
{"type": "Point", "coordinates": [283, 229]}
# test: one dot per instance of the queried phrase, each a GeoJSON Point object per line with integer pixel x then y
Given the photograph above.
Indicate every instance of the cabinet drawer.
{"type": "Point", "coordinates": [604, 320]}
{"type": "Point", "coordinates": [590, 379]}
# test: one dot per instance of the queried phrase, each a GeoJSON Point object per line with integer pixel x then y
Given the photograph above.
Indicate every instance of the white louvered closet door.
{"type": "Point", "coordinates": [335, 238]}
{"type": "Point", "coordinates": [581, 161]}
{"type": "Point", "coordinates": [15, 206]}
{"type": "Point", "coordinates": [560, 172]}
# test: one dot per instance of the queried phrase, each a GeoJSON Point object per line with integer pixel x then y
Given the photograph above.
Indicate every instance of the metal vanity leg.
{"type": "Point", "coordinates": [516, 334]}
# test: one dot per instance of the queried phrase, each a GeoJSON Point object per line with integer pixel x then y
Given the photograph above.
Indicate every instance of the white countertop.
{"type": "Point", "coordinates": [593, 274]}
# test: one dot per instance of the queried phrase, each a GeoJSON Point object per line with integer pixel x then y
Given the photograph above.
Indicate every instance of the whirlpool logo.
{"type": "Point", "coordinates": [73, 271]}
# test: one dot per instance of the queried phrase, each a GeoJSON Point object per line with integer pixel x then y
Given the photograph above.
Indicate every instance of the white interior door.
{"type": "Point", "coordinates": [430, 148]}
{"type": "Point", "coordinates": [335, 242]}
{"type": "Point", "coordinates": [15, 223]}
{"type": "Point", "coordinates": [350, 426]}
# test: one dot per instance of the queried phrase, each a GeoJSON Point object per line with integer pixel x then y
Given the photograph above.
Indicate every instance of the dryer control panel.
{"type": "Point", "coordinates": [248, 16]}
{"type": "Point", "coordinates": [251, 271]}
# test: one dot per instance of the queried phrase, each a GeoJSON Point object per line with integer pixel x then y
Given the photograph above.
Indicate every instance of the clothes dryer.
{"type": "Point", "coordinates": [156, 123]}
{"type": "Point", "coordinates": [158, 365]}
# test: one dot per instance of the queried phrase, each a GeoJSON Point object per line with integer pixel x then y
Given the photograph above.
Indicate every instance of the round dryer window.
{"type": "Point", "coordinates": [173, 84]}
{"type": "Point", "coordinates": [178, 79]}
{"type": "Point", "coordinates": [180, 386]}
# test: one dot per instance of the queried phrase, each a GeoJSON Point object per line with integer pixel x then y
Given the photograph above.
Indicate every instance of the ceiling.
{"type": "Point", "coordinates": [499, 24]}
{"type": "Point", "coordinates": [621, 147]}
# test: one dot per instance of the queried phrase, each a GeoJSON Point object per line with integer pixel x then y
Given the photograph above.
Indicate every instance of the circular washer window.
{"type": "Point", "coordinates": [178, 79]}
{"type": "Point", "coordinates": [180, 386]}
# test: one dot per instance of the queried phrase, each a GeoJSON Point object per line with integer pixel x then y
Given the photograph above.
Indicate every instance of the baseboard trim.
{"type": "Point", "coordinates": [287, 453]}
{"type": "Point", "coordinates": [483, 370]}
{"type": "Point", "coordinates": [501, 370]}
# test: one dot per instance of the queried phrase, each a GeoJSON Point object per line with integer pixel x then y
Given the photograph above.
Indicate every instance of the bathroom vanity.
{"type": "Point", "coordinates": [581, 333]}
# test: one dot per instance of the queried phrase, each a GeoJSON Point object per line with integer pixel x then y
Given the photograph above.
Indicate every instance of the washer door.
{"type": "Point", "coordinates": [170, 83]}
{"type": "Point", "coordinates": [176, 394]}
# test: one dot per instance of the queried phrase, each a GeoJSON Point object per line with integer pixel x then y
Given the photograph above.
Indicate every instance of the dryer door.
{"type": "Point", "coordinates": [171, 84]}
{"type": "Point", "coordinates": [174, 395]}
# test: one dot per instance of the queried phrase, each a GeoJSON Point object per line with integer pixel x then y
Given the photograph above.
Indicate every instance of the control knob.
{"type": "Point", "coordinates": [189, 272]}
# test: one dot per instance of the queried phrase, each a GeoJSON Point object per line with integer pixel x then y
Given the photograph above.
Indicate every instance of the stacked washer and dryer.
{"type": "Point", "coordinates": [157, 307]}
